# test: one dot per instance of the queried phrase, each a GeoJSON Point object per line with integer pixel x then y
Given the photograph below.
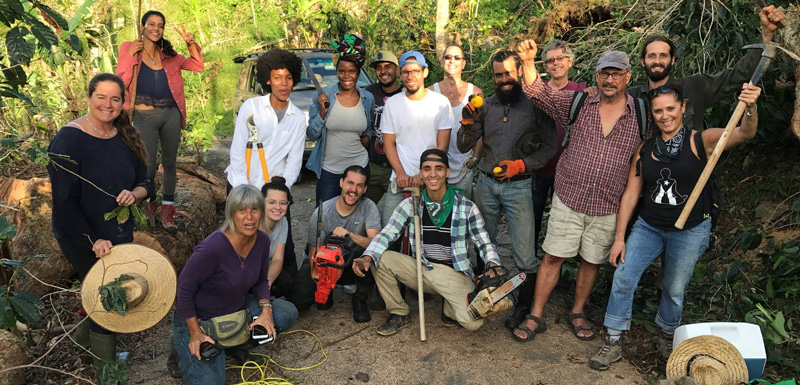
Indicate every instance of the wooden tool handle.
{"type": "Point", "coordinates": [420, 295]}
{"type": "Point", "coordinates": [762, 4]}
{"type": "Point", "coordinates": [709, 168]}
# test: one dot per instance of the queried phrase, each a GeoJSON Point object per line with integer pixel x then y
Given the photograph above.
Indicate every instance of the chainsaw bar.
{"type": "Point", "coordinates": [505, 289]}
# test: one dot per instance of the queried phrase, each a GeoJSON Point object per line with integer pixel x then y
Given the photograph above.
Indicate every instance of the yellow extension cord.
{"type": "Point", "coordinates": [264, 375]}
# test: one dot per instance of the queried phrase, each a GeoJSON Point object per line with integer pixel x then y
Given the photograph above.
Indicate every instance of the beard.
{"type": "Point", "coordinates": [510, 96]}
{"type": "Point", "coordinates": [658, 76]}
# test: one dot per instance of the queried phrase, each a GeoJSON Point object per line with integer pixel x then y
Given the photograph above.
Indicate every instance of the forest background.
{"type": "Point", "coordinates": [50, 49]}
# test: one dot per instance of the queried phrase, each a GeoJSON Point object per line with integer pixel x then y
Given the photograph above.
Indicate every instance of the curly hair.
{"type": "Point", "coordinates": [164, 44]}
{"type": "Point", "coordinates": [276, 59]}
{"type": "Point", "coordinates": [129, 134]}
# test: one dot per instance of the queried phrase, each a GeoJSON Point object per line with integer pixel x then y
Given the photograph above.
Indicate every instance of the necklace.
{"type": "Point", "coordinates": [100, 132]}
{"type": "Point", "coordinates": [152, 57]}
{"type": "Point", "coordinates": [241, 260]}
{"type": "Point", "coordinates": [506, 110]}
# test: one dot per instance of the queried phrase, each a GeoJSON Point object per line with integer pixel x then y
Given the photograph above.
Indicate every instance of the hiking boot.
{"type": "Point", "coordinates": [360, 310]}
{"type": "Point", "coordinates": [168, 214]}
{"type": "Point", "coordinates": [610, 353]}
{"type": "Point", "coordinates": [104, 348]}
{"type": "Point", "coordinates": [664, 344]}
{"type": "Point", "coordinates": [394, 323]}
{"type": "Point", "coordinates": [328, 304]}
{"type": "Point", "coordinates": [447, 321]}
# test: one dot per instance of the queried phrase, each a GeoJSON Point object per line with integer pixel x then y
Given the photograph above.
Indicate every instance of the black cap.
{"type": "Point", "coordinates": [442, 157]}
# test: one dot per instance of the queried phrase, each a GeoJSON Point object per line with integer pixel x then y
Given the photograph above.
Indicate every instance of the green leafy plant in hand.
{"type": "Point", "coordinates": [113, 296]}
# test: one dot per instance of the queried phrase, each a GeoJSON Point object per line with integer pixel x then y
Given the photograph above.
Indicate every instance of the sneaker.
{"type": "Point", "coordinates": [168, 214]}
{"type": "Point", "coordinates": [394, 323]}
{"type": "Point", "coordinates": [664, 343]}
{"type": "Point", "coordinates": [610, 353]}
{"type": "Point", "coordinates": [349, 289]}
{"type": "Point", "coordinates": [360, 310]}
{"type": "Point", "coordinates": [447, 321]}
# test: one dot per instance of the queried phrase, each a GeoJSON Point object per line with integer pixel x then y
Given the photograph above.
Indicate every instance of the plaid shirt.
{"type": "Point", "coordinates": [466, 219]}
{"type": "Point", "coordinates": [593, 170]}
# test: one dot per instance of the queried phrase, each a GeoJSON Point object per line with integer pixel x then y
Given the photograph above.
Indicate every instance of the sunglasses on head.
{"type": "Point", "coordinates": [453, 57]}
{"type": "Point", "coordinates": [665, 89]}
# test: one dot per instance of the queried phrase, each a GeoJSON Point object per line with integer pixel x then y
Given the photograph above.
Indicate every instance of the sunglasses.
{"type": "Point", "coordinates": [453, 57]}
{"type": "Point", "coordinates": [665, 89]}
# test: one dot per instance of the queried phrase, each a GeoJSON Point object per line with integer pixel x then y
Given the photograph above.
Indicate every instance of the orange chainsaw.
{"type": "Point", "coordinates": [331, 258]}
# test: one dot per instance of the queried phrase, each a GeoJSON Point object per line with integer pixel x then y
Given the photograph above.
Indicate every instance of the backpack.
{"type": "Point", "coordinates": [578, 98]}
{"type": "Point", "coordinates": [711, 188]}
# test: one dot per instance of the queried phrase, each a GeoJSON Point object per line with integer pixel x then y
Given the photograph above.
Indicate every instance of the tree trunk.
{"type": "Point", "coordinates": [790, 39]}
{"type": "Point", "coordinates": [442, 18]}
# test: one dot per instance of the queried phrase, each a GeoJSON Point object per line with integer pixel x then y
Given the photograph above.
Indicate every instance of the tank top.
{"type": "Point", "coordinates": [667, 186]}
{"type": "Point", "coordinates": [456, 158]}
{"type": "Point", "coordinates": [153, 89]}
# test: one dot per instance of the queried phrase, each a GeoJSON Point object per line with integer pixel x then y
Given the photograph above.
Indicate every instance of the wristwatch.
{"type": "Point", "coordinates": [473, 159]}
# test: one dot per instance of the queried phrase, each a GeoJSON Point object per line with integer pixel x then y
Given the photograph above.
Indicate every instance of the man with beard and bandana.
{"type": "Point", "coordinates": [412, 122]}
{"type": "Point", "coordinates": [504, 118]}
{"type": "Point", "coordinates": [702, 91]}
{"type": "Point", "coordinates": [590, 178]}
{"type": "Point", "coordinates": [385, 65]}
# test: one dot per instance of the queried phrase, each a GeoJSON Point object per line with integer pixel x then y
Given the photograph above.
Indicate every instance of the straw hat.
{"type": "Point", "coordinates": [709, 360]}
{"type": "Point", "coordinates": [150, 290]}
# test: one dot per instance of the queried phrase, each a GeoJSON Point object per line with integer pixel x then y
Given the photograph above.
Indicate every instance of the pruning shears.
{"type": "Point", "coordinates": [254, 141]}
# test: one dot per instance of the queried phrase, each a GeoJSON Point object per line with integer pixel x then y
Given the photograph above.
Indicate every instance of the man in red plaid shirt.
{"type": "Point", "coordinates": [590, 179]}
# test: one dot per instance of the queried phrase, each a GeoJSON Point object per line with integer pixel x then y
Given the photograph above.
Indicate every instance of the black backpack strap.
{"type": "Point", "coordinates": [641, 107]}
{"type": "Point", "coordinates": [578, 98]}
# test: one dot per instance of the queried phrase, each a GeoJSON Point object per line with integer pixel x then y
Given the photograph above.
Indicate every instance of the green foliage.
{"type": "Point", "coordinates": [123, 213]}
{"type": "Point", "coordinates": [113, 296]}
{"type": "Point", "coordinates": [114, 373]}
{"type": "Point", "coordinates": [7, 229]}
{"type": "Point", "coordinates": [19, 306]}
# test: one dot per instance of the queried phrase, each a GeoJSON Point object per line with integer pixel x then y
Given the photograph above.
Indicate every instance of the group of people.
{"type": "Point", "coordinates": [595, 161]}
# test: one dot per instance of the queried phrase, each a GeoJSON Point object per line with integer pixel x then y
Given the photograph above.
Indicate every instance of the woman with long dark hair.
{"type": "Point", "coordinates": [101, 148]}
{"type": "Point", "coordinates": [342, 128]}
{"type": "Point", "coordinates": [160, 105]}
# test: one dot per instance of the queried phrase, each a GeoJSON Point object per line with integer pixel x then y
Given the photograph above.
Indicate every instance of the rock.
{"type": "Point", "coordinates": [12, 353]}
{"type": "Point", "coordinates": [770, 211]}
{"type": "Point", "coordinates": [363, 377]}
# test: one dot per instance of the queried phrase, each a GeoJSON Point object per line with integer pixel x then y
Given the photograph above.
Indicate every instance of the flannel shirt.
{"type": "Point", "coordinates": [467, 219]}
{"type": "Point", "coordinates": [593, 170]}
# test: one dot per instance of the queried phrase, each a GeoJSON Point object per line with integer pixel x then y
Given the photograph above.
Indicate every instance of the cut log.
{"type": "Point", "coordinates": [789, 38]}
{"type": "Point", "coordinates": [196, 197]}
{"type": "Point", "coordinates": [12, 353]}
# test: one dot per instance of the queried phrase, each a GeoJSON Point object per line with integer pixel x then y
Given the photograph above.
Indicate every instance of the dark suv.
{"type": "Point", "coordinates": [321, 62]}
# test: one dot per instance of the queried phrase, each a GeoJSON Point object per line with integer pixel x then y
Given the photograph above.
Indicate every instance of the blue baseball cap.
{"type": "Point", "coordinates": [413, 54]}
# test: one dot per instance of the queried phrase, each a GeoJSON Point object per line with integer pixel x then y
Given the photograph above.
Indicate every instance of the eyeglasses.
{"type": "Point", "coordinates": [614, 75]}
{"type": "Point", "coordinates": [453, 57]}
{"type": "Point", "coordinates": [273, 202]}
{"type": "Point", "coordinates": [405, 73]}
{"type": "Point", "coordinates": [555, 59]}
{"type": "Point", "coordinates": [665, 89]}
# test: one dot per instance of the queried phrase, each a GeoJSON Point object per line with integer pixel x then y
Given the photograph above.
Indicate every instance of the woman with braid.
{"type": "Point", "coordinates": [343, 127]}
{"type": "Point", "coordinates": [103, 148]}
{"type": "Point", "coordinates": [160, 105]}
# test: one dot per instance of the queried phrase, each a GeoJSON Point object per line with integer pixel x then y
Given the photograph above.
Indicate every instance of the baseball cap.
{"type": "Point", "coordinates": [416, 55]}
{"type": "Point", "coordinates": [434, 151]}
{"type": "Point", "coordinates": [383, 56]}
{"type": "Point", "coordinates": [615, 59]}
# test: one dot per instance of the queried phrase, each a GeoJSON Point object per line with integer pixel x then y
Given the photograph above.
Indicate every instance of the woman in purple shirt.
{"type": "Point", "coordinates": [227, 272]}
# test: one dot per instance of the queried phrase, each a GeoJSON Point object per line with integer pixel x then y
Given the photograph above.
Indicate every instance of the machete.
{"type": "Point", "coordinates": [314, 80]}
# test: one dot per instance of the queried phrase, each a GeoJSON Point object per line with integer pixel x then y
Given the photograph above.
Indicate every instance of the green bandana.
{"type": "Point", "coordinates": [440, 211]}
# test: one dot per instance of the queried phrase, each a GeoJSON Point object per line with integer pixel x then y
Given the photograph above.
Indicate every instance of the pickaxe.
{"type": "Point", "coordinates": [415, 195]}
{"type": "Point", "coordinates": [768, 53]}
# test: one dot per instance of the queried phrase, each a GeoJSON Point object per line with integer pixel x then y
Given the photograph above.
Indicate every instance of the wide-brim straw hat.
{"type": "Point", "coordinates": [709, 360]}
{"type": "Point", "coordinates": [151, 293]}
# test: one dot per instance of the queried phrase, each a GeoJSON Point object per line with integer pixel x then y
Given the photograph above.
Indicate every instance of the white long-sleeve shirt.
{"type": "Point", "coordinates": [283, 143]}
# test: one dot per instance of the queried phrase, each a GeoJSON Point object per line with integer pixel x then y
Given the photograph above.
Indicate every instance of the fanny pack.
{"type": "Point", "coordinates": [228, 330]}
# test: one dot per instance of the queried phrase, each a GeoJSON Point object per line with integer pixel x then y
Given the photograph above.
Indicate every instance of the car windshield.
{"type": "Point", "coordinates": [326, 74]}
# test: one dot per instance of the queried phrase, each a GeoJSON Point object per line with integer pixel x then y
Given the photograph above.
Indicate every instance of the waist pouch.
{"type": "Point", "coordinates": [228, 330]}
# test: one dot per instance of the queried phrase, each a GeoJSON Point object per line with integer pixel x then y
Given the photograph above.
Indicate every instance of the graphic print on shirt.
{"type": "Point", "coordinates": [666, 192]}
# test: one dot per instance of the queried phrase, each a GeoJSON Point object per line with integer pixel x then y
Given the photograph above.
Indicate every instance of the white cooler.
{"type": "Point", "coordinates": [744, 336]}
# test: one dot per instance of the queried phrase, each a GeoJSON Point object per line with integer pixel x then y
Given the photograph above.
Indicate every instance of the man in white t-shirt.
{"type": "Point", "coordinates": [412, 122]}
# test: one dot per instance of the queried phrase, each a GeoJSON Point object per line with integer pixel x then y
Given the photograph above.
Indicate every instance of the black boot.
{"type": "Point", "coordinates": [524, 302]}
{"type": "Point", "coordinates": [360, 309]}
{"type": "Point", "coordinates": [241, 353]}
{"type": "Point", "coordinates": [174, 367]}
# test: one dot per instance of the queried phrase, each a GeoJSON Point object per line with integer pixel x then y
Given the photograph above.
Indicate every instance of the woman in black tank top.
{"type": "Point", "coordinates": [664, 175]}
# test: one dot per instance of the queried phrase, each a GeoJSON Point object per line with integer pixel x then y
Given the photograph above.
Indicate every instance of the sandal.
{"type": "Point", "coordinates": [580, 328]}
{"type": "Point", "coordinates": [529, 334]}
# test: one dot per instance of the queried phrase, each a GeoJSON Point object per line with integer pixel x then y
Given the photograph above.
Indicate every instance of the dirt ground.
{"type": "Point", "coordinates": [356, 354]}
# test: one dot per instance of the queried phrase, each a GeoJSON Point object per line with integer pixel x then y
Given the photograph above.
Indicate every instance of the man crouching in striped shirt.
{"type": "Point", "coordinates": [447, 219]}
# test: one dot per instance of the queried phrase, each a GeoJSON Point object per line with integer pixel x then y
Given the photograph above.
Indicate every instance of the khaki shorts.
{"type": "Point", "coordinates": [570, 233]}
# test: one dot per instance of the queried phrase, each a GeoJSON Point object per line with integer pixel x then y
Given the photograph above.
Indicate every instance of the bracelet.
{"type": "Point", "coordinates": [473, 159]}
{"type": "Point", "coordinates": [755, 109]}
{"type": "Point", "coordinates": [266, 304]}
{"type": "Point", "coordinates": [188, 43]}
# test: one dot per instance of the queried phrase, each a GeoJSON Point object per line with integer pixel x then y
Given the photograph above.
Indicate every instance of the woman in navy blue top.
{"type": "Point", "coordinates": [103, 148]}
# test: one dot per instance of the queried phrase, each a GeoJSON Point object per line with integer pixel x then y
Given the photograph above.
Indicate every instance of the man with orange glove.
{"type": "Point", "coordinates": [505, 180]}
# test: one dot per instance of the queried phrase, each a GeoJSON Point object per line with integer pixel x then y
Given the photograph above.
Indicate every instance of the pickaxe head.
{"type": "Point", "coordinates": [769, 49]}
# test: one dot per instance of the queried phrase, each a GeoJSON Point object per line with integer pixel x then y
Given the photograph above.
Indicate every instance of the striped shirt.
{"type": "Point", "coordinates": [466, 221]}
{"type": "Point", "coordinates": [436, 240]}
{"type": "Point", "coordinates": [593, 170]}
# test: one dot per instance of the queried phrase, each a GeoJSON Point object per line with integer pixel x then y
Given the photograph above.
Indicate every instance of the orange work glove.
{"type": "Point", "coordinates": [509, 169]}
{"type": "Point", "coordinates": [472, 111]}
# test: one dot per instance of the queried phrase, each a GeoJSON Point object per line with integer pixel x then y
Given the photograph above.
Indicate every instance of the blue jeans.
{"type": "Point", "coordinates": [212, 372]}
{"type": "Point", "coordinates": [514, 198]}
{"type": "Point", "coordinates": [682, 249]}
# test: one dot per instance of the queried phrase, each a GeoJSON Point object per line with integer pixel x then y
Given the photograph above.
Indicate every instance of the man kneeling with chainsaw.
{"type": "Point", "coordinates": [447, 218]}
{"type": "Point", "coordinates": [347, 225]}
